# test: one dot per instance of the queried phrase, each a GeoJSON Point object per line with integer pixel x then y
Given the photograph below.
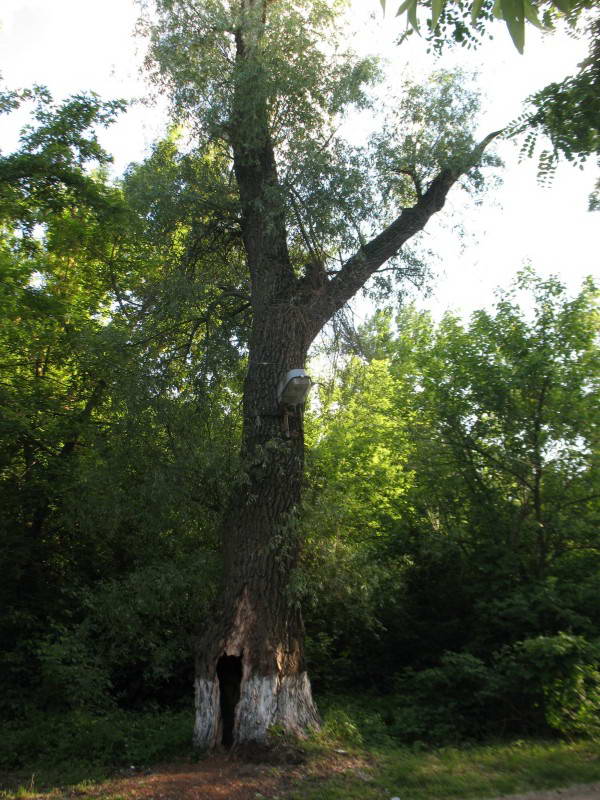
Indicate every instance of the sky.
{"type": "Point", "coordinates": [78, 45]}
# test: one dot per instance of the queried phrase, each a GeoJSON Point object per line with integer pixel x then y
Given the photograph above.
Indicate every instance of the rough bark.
{"type": "Point", "coordinates": [259, 621]}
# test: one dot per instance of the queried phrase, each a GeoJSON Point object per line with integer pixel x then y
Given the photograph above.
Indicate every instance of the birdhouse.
{"type": "Point", "coordinates": [294, 387]}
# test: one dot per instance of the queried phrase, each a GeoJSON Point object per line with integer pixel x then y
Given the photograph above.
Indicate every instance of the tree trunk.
{"type": "Point", "coordinates": [250, 672]}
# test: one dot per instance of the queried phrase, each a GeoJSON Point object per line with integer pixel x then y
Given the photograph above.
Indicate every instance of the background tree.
{"type": "Point", "coordinates": [479, 556]}
{"type": "Point", "coordinates": [51, 345]}
{"type": "Point", "coordinates": [111, 443]}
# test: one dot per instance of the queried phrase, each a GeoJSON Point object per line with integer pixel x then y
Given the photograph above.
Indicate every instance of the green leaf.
{"type": "Point", "coordinates": [514, 17]}
{"type": "Point", "coordinates": [412, 16]}
{"type": "Point", "coordinates": [382, 5]}
{"type": "Point", "coordinates": [437, 6]}
{"type": "Point", "coordinates": [497, 10]}
{"type": "Point", "coordinates": [405, 5]}
{"type": "Point", "coordinates": [532, 15]}
{"type": "Point", "coordinates": [566, 6]}
{"type": "Point", "coordinates": [476, 9]}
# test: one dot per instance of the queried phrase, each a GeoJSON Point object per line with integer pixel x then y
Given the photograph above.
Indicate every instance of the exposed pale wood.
{"type": "Point", "coordinates": [207, 725]}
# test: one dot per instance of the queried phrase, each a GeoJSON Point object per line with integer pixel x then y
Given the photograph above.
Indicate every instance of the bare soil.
{"type": "Point", "coordinates": [219, 777]}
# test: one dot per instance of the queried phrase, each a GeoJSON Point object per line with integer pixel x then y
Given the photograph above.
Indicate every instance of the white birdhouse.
{"type": "Point", "coordinates": [293, 387]}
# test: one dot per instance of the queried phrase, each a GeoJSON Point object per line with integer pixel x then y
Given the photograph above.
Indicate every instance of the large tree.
{"type": "Point", "coordinates": [266, 83]}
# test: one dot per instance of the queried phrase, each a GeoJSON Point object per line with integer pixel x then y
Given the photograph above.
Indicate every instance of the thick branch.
{"type": "Point", "coordinates": [358, 268]}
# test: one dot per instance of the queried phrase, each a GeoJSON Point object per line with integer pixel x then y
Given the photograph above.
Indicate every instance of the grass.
{"type": "Point", "coordinates": [458, 772]}
{"type": "Point", "coordinates": [81, 778]}
{"type": "Point", "coordinates": [354, 757]}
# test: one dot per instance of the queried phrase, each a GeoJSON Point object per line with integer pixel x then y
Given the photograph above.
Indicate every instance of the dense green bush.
{"type": "Point", "coordinates": [112, 739]}
{"type": "Point", "coordinates": [540, 686]}
{"type": "Point", "coordinates": [536, 686]}
{"type": "Point", "coordinates": [554, 678]}
{"type": "Point", "coordinates": [134, 645]}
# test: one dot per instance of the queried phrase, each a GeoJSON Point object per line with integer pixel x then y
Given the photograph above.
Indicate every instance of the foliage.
{"type": "Point", "coordinates": [53, 344]}
{"type": "Point", "coordinates": [466, 509]}
{"type": "Point", "coordinates": [46, 741]}
{"type": "Point", "coordinates": [567, 113]}
{"type": "Point", "coordinates": [544, 682]}
{"type": "Point", "coordinates": [112, 453]}
{"type": "Point", "coordinates": [558, 674]}
{"type": "Point", "coordinates": [135, 642]}
{"type": "Point", "coordinates": [428, 129]}
{"type": "Point", "coordinates": [335, 194]}
{"type": "Point", "coordinates": [307, 92]}
{"type": "Point", "coordinates": [468, 20]}
{"type": "Point", "coordinates": [46, 175]}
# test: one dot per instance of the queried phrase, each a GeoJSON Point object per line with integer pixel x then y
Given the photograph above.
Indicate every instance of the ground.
{"type": "Point", "coordinates": [222, 778]}
{"type": "Point", "coordinates": [330, 769]}
{"type": "Point", "coordinates": [218, 777]}
{"type": "Point", "coordinates": [589, 792]}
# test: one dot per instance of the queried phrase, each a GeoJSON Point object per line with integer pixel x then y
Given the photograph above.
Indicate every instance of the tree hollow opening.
{"type": "Point", "coordinates": [229, 672]}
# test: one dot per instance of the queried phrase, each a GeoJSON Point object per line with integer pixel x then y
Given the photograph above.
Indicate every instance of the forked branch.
{"type": "Point", "coordinates": [373, 254]}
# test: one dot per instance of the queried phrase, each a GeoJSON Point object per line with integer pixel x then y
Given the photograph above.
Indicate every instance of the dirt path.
{"type": "Point", "coordinates": [214, 779]}
{"type": "Point", "coordinates": [218, 778]}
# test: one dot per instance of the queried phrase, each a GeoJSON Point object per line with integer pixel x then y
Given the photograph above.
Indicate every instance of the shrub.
{"type": "Point", "coordinates": [446, 703]}
{"type": "Point", "coordinates": [133, 644]}
{"type": "Point", "coordinates": [556, 679]}
{"type": "Point", "coordinates": [112, 739]}
{"type": "Point", "coordinates": [356, 720]}
{"type": "Point", "coordinates": [536, 686]}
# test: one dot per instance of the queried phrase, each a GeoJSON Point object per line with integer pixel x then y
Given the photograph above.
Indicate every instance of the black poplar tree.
{"type": "Point", "coordinates": [264, 82]}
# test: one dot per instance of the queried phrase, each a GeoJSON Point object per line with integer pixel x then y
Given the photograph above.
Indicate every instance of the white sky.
{"type": "Point", "coordinates": [77, 45]}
